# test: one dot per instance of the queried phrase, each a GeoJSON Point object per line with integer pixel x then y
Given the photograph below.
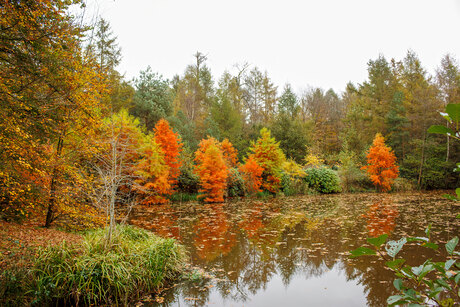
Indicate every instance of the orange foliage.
{"type": "Point", "coordinates": [381, 167]}
{"type": "Point", "coordinates": [154, 184]}
{"type": "Point", "coordinates": [211, 169]}
{"type": "Point", "coordinates": [213, 236]}
{"type": "Point", "coordinates": [170, 144]}
{"type": "Point", "coordinates": [230, 153]}
{"type": "Point", "coordinates": [381, 219]}
{"type": "Point", "coordinates": [252, 175]}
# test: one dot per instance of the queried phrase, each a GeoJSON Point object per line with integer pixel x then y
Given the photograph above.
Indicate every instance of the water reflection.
{"type": "Point", "coordinates": [294, 248]}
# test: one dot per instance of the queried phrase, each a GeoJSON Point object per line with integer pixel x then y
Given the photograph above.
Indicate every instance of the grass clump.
{"type": "Point", "coordinates": [137, 262]}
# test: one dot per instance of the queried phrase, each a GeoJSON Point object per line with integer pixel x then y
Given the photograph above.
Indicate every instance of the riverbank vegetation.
{"type": "Point", "coordinates": [80, 145]}
{"type": "Point", "coordinates": [86, 272]}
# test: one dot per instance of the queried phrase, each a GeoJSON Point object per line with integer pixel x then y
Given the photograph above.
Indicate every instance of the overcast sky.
{"type": "Point", "coordinates": [323, 43]}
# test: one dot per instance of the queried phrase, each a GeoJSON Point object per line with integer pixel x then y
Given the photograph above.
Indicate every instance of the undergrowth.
{"type": "Point", "coordinates": [136, 263]}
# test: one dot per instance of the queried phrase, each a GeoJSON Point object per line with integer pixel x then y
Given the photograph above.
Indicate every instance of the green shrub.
{"type": "Point", "coordinates": [354, 179]}
{"type": "Point", "coordinates": [402, 185]}
{"type": "Point", "coordinates": [183, 197]}
{"type": "Point", "coordinates": [292, 185]}
{"type": "Point", "coordinates": [188, 182]}
{"type": "Point", "coordinates": [235, 187]}
{"type": "Point", "coordinates": [323, 180]}
{"type": "Point", "coordinates": [138, 262]}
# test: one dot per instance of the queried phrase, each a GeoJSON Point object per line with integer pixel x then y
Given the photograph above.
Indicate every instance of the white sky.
{"type": "Point", "coordinates": [324, 43]}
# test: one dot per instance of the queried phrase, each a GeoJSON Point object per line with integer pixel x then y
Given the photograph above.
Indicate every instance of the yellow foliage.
{"type": "Point", "coordinates": [312, 160]}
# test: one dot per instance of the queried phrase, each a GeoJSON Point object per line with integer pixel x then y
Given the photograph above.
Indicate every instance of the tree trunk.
{"type": "Point", "coordinates": [447, 153]}
{"type": "Point", "coordinates": [422, 161]}
{"type": "Point", "coordinates": [52, 199]}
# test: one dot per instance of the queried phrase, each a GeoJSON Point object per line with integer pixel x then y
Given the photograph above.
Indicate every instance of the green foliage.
{"type": "Point", "coordinates": [235, 184]}
{"type": "Point", "coordinates": [292, 135]}
{"type": "Point", "coordinates": [13, 287]}
{"type": "Point", "coordinates": [437, 173]}
{"type": "Point", "coordinates": [352, 177]}
{"type": "Point", "coordinates": [403, 185]}
{"type": "Point", "coordinates": [433, 281]}
{"type": "Point", "coordinates": [323, 180]}
{"type": "Point", "coordinates": [152, 99]}
{"type": "Point", "coordinates": [293, 185]}
{"type": "Point", "coordinates": [188, 181]}
{"type": "Point", "coordinates": [138, 263]}
{"type": "Point", "coordinates": [185, 128]}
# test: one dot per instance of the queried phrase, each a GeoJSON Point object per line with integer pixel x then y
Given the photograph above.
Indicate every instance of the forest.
{"type": "Point", "coordinates": [79, 142]}
{"type": "Point", "coordinates": [65, 106]}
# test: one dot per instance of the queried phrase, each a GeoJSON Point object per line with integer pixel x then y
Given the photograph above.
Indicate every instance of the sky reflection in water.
{"type": "Point", "coordinates": [294, 251]}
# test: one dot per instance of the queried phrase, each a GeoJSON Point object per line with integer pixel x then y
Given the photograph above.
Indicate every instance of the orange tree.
{"type": "Point", "coordinates": [230, 153]}
{"type": "Point", "coordinates": [211, 170]}
{"type": "Point", "coordinates": [171, 146]}
{"type": "Point", "coordinates": [268, 155]}
{"type": "Point", "coordinates": [252, 175]}
{"type": "Point", "coordinates": [381, 164]}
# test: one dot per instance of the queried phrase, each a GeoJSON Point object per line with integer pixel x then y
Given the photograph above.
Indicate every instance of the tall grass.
{"type": "Point", "coordinates": [137, 263]}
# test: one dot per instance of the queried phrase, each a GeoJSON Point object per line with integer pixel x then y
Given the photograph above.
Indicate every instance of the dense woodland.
{"type": "Point", "coordinates": [76, 137]}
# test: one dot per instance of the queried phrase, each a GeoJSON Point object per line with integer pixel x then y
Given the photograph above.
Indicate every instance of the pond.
{"type": "Point", "coordinates": [294, 251]}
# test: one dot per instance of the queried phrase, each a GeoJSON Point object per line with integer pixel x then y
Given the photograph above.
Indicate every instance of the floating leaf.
{"type": "Point", "coordinates": [377, 242]}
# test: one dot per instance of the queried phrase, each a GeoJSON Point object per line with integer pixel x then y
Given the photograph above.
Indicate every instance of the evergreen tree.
{"type": "Point", "coordinates": [152, 99]}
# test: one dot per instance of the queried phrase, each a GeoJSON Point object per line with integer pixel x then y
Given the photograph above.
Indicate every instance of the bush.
{"type": "Point", "coordinates": [138, 263]}
{"type": "Point", "coordinates": [403, 185]}
{"type": "Point", "coordinates": [354, 179]}
{"type": "Point", "coordinates": [323, 180]}
{"type": "Point", "coordinates": [292, 185]}
{"type": "Point", "coordinates": [188, 182]}
{"type": "Point", "coordinates": [235, 183]}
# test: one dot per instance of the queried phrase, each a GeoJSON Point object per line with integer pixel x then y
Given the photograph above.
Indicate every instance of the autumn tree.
{"type": "Point", "coordinates": [252, 175]}
{"type": "Point", "coordinates": [211, 170]}
{"type": "Point", "coordinates": [230, 153]}
{"type": "Point", "coordinates": [381, 168]}
{"type": "Point", "coordinates": [153, 184]}
{"type": "Point", "coordinates": [171, 146]}
{"type": "Point", "coordinates": [268, 155]}
{"type": "Point", "coordinates": [50, 93]}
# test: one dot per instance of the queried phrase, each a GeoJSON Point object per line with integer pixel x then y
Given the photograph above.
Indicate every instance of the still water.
{"type": "Point", "coordinates": [294, 251]}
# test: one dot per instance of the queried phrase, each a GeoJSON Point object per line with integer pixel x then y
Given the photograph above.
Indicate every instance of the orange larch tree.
{"type": "Point", "coordinates": [171, 146]}
{"type": "Point", "coordinates": [211, 170]}
{"type": "Point", "coordinates": [381, 168]}
{"type": "Point", "coordinates": [252, 175]}
{"type": "Point", "coordinates": [230, 153]}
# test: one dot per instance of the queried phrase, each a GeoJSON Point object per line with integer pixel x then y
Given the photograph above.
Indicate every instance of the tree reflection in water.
{"type": "Point", "coordinates": [248, 245]}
